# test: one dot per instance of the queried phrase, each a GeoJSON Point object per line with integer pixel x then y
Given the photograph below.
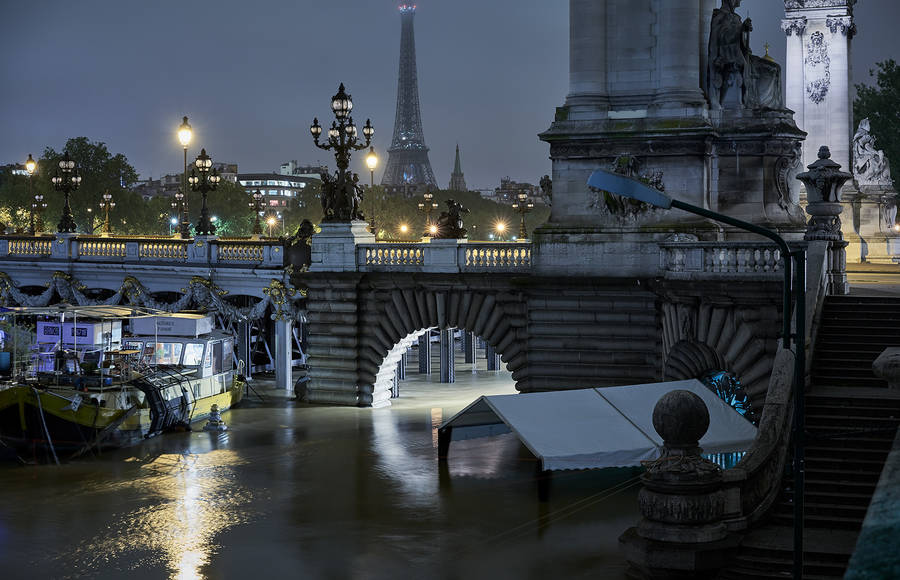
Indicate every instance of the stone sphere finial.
{"type": "Point", "coordinates": [681, 419]}
{"type": "Point", "coordinates": [824, 152]}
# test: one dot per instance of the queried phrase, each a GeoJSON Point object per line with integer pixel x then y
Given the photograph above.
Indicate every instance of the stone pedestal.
{"type": "Point", "coordinates": [334, 247]}
{"type": "Point", "coordinates": [682, 534]}
{"type": "Point", "coordinates": [873, 212]}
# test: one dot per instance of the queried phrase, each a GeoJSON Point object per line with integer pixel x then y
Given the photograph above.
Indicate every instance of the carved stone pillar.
{"type": "Point", "coordinates": [824, 182]}
{"type": "Point", "coordinates": [679, 93]}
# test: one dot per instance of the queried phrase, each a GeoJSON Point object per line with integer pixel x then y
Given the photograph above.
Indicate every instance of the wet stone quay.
{"type": "Point", "coordinates": [305, 491]}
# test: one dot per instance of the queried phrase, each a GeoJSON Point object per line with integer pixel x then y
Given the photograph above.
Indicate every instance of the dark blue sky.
{"type": "Point", "coordinates": [252, 75]}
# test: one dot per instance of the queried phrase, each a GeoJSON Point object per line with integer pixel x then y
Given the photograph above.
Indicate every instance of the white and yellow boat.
{"type": "Point", "coordinates": [117, 390]}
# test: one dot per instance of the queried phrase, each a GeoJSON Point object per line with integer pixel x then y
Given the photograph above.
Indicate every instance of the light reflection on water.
{"type": "Point", "coordinates": [314, 492]}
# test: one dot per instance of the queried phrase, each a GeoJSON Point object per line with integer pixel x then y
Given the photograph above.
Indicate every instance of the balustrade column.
{"type": "Point", "coordinates": [448, 357]}
{"type": "Point", "coordinates": [469, 346]}
{"type": "Point", "coordinates": [283, 350]}
{"type": "Point", "coordinates": [425, 353]}
{"type": "Point", "coordinates": [493, 359]}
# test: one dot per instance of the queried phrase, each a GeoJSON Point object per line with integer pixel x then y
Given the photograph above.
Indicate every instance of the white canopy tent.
{"type": "Point", "coordinates": [593, 428]}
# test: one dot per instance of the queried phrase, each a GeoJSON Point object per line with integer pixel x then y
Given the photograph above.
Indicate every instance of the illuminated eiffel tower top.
{"type": "Point", "coordinates": [408, 164]}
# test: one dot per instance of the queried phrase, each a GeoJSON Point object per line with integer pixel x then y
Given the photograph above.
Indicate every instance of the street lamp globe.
{"type": "Point", "coordinates": [30, 165]}
{"type": "Point", "coordinates": [185, 133]}
{"type": "Point", "coordinates": [371, 158]}
{"type": "Point", "coordinates": [341, 103]}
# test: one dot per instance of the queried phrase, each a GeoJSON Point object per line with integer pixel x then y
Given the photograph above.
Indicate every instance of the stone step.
{"type": "Point", "coordinates": [825, 510]}
{"type": "Point", "coordinates": [845, 498]}
{"type": "Point", "coordinates": [826, 522]}
{"type": "Point", "coordinates": [843, 409]}
{"type": "Point", "coordinates": [855, 421]}
{"type": "Point", "coordinates": [841, 476]}
{"type": "Point", "coordinates": [844, 463]}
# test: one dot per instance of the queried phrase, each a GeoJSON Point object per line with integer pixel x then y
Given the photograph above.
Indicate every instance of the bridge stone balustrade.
{"type": "Point", "coordinates": [711, 259]}
{"type": "Point", "coordinates": [445, 256]}
{"type": "Point", "coordinates": [157, 250]}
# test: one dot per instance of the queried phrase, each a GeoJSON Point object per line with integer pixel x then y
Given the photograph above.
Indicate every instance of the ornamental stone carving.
{"type": "Point", "coordinates": [798, 4]}
{"type": "Point", "coordinates": [843, 23]}
{"type": "Point", "coordinates": [818, 68]}
{"type": "Point", "coordinates": [794, 26]}
{"type": "Point", "coordinates": [870, 166]}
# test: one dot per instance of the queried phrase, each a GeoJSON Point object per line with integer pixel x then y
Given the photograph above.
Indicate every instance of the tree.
{"type": "Point", "coordinates": [881, 104]}
{"type": "Point", "coordinates": [100, 172]}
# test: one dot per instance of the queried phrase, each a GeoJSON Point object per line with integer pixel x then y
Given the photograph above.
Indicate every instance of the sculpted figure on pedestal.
{"type": "Point", "coordinates": [737, 78]}
{"type": "Point", "coordinates": [870, 166]}
{"type": "Point", "coordinates": [729, 55]}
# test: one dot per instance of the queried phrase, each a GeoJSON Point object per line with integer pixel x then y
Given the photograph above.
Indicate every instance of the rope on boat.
{"type": "Point", "coordinates": [37, 395]}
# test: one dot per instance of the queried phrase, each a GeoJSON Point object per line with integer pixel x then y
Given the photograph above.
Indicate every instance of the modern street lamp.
{"type": "Point", "coordinates": [66, 183]}
{"type": "Point", "coordinates": [30, 166]}
{"type": "Point", "coordinates": [634, 189]}
{"type": "Point", "coordinates": [185, 133]}
{"type": "Point", "coordinates": [37, 211]}
{"type": "Point", "coordinates": [427, 206]}
{"type": "Point", "coordinates": [271, 221]}
{"type": "Point", "coordinates": [256, 204]}
{"type": "Point", "coordinates": [523, 205]}
{"type": "Point", "coordinates": [106, 205]}
{"type": "Point", "coordinates": [340, 195]}
{"type": "Point", "coordinates": [204, 183]}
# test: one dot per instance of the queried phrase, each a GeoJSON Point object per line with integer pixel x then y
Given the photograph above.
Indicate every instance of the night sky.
{"type": "Point", "coordinates": [252, 75]}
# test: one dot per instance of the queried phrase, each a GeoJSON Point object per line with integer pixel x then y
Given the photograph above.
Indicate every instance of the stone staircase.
{"type": "Point", "coordinates": [851, 419]}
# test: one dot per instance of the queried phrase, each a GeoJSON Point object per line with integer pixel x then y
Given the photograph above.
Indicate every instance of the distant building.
{"type": "Point", "coordinates": [295, 169]}
{"type": "Point", "coordinates": [278, 189]}
{"type": "Point", "coordinates": [457, 181]}
{"type": "Point", "coordinates": [508, 190]}
{"type": "Point", "coordinates": [169, 184]}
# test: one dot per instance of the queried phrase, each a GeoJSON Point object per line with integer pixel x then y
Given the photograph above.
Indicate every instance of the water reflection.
{"type": "Point", "coordinates": [191, 498]}
{"type": "Point", "coordinates": [314, 492]}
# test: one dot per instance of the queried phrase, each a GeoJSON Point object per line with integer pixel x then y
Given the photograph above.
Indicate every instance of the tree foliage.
{"type": "Point", "coordinates": [881, 104]}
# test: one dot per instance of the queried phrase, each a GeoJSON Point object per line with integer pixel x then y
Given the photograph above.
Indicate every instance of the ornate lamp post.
{"type": "Point", "coordinates": [206, 182]}
{"type": "Point", "coordinates": [106, 205]}
{"type": "Point", "coordinates": [66, 183]}
{"type": "Point", "coordinates": [30, 166]}
{"type": "Point", "coordinates": [340, 194]}
{"type": "Point", "coordinates": [522, 205]}
{"type": "Point", "coordinates": [185, 133]}
{"type": "Point", "coordinates": [427, 206]}
{"type": "Point", "coordinates": [256, 204]}
{"type": "Point", "coordinates": [372, 163]}
{"type": "Point", "coordinates": [37, 210]}
{"type": "Point", "coordinates": [178, 205]}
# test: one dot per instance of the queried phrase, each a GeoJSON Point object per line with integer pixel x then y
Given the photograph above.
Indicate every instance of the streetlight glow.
{"type": "Point", "coordinates": [404, 229]}
{"type": "Point", "coordinates": [372, 159]}
{"type": "Point", "coordinates": [433, 229]}
{"type": "Point", "coordinates": [30, 165]}
{"type": "Point", "coordinates": [185, 133]}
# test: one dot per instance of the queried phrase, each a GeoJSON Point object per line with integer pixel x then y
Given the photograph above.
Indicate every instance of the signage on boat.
{"type": "Point", "coordinates": [88, 333]}
{"type": "Point", "coordinates": [175, 325]}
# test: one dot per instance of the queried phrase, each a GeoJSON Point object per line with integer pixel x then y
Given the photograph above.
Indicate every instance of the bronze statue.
{"type": "Point", "coordinates": [450, 223]}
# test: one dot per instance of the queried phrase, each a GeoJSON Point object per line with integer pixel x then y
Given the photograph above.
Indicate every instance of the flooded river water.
{"type": "Point", "coordinates": [301, 491]}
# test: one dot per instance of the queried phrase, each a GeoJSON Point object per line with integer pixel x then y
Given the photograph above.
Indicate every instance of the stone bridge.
{"type": "Point", "coordinates": [711, 306]}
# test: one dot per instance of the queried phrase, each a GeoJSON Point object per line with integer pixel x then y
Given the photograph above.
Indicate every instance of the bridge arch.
{"type": "Point", "coordinates": [385, 321]}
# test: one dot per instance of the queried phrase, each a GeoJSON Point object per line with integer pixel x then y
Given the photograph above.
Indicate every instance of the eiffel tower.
{"type": "Point", "coordinates": [408, 168]}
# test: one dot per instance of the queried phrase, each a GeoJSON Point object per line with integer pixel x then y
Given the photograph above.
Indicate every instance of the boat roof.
{"type": "Point", "coordinates": [100, 311]}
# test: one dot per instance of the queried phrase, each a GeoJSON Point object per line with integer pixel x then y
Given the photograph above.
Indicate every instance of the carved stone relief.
{"type": "Point", "coordinates": [818, 68]}
{"type": "Point", "coordinates": [844, 24]}
{"type": "Point", "coordinates": [794, 26]}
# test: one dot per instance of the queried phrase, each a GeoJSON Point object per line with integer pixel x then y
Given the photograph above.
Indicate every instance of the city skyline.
{"type": "Point", "coordinates": [254, 76]}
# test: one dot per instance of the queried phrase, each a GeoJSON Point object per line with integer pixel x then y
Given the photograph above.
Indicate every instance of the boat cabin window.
{"type": "Point", "coordinates": [134, 345]}
{"type": "Point", "coordinates": [193, 354]}
{"type": "Point", "coordinates": [165, 353]}
{"type": "Point", "coordinates": [228, 354]}
{"type": "Point", "coordinates": [217, 357]}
